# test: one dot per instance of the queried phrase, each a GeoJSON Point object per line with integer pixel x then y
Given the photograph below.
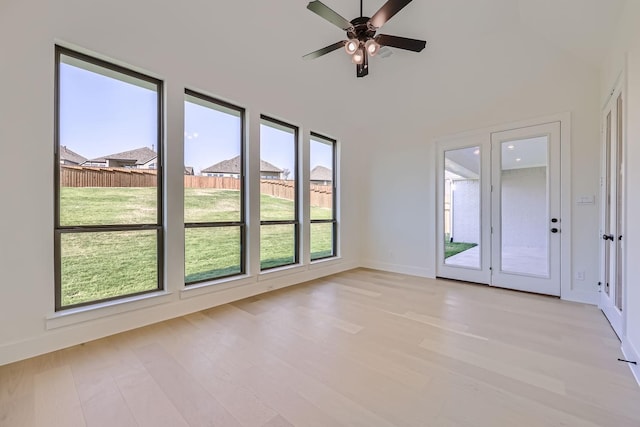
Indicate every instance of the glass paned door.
{"type": "Point", "coordinates": [612, 279]}
{"type": "Point", "coordinates": [526, 222]}
{"type": "Point", "coordinates": [464, 210]}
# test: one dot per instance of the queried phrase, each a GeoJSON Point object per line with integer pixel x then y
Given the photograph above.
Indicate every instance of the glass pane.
{"type": "Point", "coordinates": [607, 208]}
{"type": "Point", "coordinates": [462, 207]}
{"type": "Point", "coordinates": [619, 198]}
{"type": "Point", "coordinates": [525, 208]}
{"type": "Point", "coordinates": [277, 172]}
{"type": "Point", "coordinates": [108, 152]}
{"type": "Point", "coordinates": [212, 253]}
{"type": "Point", "coordinates": [321, 240]}
{"type": "Point", "coordinates": [321, 179]}
{"type": "Point", "coordinates": [212, 158]}
{"type": "Point", "coordinates": [101, 265]}
{"type": "Point", "coordinates": [277, 245]}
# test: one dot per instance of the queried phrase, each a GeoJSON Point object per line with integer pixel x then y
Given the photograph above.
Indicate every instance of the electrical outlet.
{"type": "Point", "coordinates": [580, 275]}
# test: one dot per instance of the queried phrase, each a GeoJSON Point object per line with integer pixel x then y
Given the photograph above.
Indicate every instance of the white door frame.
{"type": "Point", "coordinates": [567, 290]}
{"type": "Point", "coordinates": [617, 261]}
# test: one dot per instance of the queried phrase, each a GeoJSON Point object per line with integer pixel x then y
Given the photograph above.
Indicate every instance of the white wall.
{"type": "Point", "coordinates": [515, 77]}
{"type": "Point", "coordinates": [626, 49]}
{"type": "Point", "coordinates": [465, 208]}
{"type": "Point", "coordinates": [185, 45]}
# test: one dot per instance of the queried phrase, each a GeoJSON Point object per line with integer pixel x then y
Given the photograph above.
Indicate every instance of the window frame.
{"type": "Point", "coordinates": [242, 224]}
{"type": "Point", "coordinates": [296, 221]}
{"type": "Point", "coordinates": [334, 192]}
{"type": "Point", "coordinates": [59, 230]}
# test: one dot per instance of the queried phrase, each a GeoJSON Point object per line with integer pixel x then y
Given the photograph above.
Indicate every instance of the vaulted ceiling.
{"type": "Point", "coordinates": [478, 52]}
{"type": "Point", "coordinates": [468, 43]}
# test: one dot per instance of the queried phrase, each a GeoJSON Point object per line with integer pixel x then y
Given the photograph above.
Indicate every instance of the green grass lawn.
{"type": "Point", "coordinates": [453, 248]}
{"type": "Point", "coordinates": [103, 265]}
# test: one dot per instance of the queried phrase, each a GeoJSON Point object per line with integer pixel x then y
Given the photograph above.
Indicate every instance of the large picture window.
{"type": "Point", "coordinates": [108, 181]}
{"type": "Point", "coordinates": [279, 225]}
{"type": "Point", "coordinates": [213, 189]}
{"type": "Point", "coordinates": [322, 200]}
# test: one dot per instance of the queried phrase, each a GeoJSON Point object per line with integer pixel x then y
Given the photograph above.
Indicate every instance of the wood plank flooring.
{"type": "Point", "coordinates": [361, 348]}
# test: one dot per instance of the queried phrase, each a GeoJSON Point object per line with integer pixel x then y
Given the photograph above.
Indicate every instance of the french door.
{"type": "Point", "coordinates": [612, 218]}
{"type": "Point", "coordinates": [499, 217]}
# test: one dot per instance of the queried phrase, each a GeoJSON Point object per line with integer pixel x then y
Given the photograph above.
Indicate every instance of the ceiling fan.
{"type": "Point", "coordinates": [362, 40]}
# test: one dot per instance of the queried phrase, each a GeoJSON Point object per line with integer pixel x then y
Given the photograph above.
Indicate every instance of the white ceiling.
{"type": "Point", "coordinates": [582, 28]}
{"type": "Point", "coordinates": [479, 54]}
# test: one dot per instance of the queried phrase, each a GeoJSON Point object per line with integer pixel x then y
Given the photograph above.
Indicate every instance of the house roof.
{"type": "Point", "coordinates": [188, 170]}
{"type": "Point", "coordinates": [140, 155]}
{"type": "Point", "coordinates": [66, 154]}
{"type": "Point", "coordinates": [233, 166]}
{"type": "Point", "coordinates": [321, 173]}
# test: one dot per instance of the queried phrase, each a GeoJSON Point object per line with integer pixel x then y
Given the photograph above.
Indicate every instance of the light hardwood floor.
{"type": "Point", "coordinates": [361, 348]}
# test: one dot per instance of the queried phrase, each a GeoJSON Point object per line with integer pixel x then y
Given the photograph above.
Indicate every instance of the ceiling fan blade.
{"type": "Point", "coordinates": [400, 42]}
{"type": "Point", "coordinates": [325, 12]}
{"type": "Point", "coordinates": [386, 12]}
{"type": "Point", "coordinates": [363, 69]}
{"type": "Point", "coordinates": [318, 53]}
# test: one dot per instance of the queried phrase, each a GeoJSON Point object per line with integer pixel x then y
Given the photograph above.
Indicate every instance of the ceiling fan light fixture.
{"type": "Point", "coordinates": [372, 47]}
{"type": "Point", "coordinates": [358, 57]}
{"type": "Point", "coordinates": [351, 46]}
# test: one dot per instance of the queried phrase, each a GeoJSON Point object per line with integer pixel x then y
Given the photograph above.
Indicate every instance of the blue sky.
{"type": "Point", "coordinates": [101, 115]}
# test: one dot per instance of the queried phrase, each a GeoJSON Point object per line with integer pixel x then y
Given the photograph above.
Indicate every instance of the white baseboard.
{"type": "Point", "coordinates": [399, 268]}
{"type": "Point", "coordinates": [581, 296]}
{"type": "Point", "coordinates": [631, 353]}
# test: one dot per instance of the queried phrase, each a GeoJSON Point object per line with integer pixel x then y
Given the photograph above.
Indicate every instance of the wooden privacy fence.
{"type": "Point", "coordinates": [82, 176]}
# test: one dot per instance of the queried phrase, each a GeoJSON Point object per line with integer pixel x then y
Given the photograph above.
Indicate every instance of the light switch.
{"type": "Point", "coordinates": [585, 200]}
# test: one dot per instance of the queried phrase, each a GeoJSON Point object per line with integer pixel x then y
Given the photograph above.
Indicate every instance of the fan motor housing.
{"type": "Point", "coordinates": [362, 29]}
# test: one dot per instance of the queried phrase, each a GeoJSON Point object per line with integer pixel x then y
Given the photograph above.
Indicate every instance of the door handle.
{"type": "Point", "coordinates": [555, 230]}
{"type": "Point", "coordinates": [607, 237]}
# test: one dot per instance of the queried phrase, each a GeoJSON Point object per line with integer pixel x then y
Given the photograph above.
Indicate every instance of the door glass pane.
{"type": "Point", "coordinates": [462, 207]}
{"type": "Point", "coordinates": [607, 207]}
{"type": "Point", "coordinates": [619, 196]}
{"type": "Point", "coordinates": [525, 207]}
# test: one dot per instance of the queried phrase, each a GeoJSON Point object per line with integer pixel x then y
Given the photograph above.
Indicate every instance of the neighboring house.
{"type": "Point", "coordinates": [188, 170]}
{"type": "Point", "coordinates": [140, 158]}
{"type": "Point", "coordinates": [231, 168]}
{"type": "Point", "coordinates": [321, 175]}
{"type": "Point", "coordinates": [69, 158]}
{"type": "Point", "coordinates": [269, 171]}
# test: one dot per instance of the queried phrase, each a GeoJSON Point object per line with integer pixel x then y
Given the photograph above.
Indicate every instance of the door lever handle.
{"type": "Point", "coordinates": [608, 237]}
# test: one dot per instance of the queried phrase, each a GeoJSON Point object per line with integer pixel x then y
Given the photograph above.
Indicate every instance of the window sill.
{"type": "Point", "coordinates": [281, 271]}
{"type": "Point", "coordinates": [324, 262]}
{"type": "Point", "coordinates": [96, 311]}
{"type": "Point", "coordinates": [195, 290]}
